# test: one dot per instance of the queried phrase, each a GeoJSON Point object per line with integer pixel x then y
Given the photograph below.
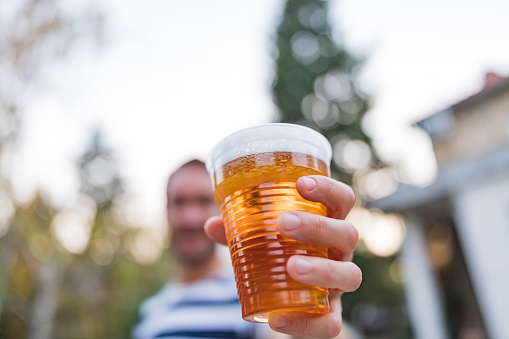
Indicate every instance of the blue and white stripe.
{"type": "Point", "coordinates": [205, 309]}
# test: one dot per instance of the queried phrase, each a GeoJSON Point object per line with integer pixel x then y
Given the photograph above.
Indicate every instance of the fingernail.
{"type": "Point", "coordinates": [304, 266]}
{"type": "Point", "coordinates": [279, 321]}
{"type": "Point", "coordinates": [309, 183]}
{"type": "Point", "coordinates": [290, 221]}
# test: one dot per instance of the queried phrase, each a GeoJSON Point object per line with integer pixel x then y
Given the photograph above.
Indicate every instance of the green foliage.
{"type": "Point", "coordinates": [314, 83]}
{"type": "Point", "coordinates": [88, 292]}
{"type": "Point", "coordinates": [64, 273]}
{"type": "Point", "coordinates": [378, 308]}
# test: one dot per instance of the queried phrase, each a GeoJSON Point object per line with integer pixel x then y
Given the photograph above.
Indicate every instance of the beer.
{"type": "Point", "coordinates": [253, 191]}
{"type": "Point", "coordinates": [254, 173]}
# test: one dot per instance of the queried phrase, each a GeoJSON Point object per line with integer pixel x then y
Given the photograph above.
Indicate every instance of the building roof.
{"type": "Point", "coordinates": [449, 180]}
{"type": "Point", "coordinates": [437, 124]}
{"type": "Point", "coordinates": [457, 175]}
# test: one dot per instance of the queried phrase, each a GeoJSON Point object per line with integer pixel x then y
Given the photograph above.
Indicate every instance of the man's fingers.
{"type": "Point", "coordinates": [344, 276]}
{"type": "Point", "coordinates": [299, 323]}
{"type": "Point", "coordinates": [319, 230]}
{"type": "Point", "coordinates": [338, 197]}
{"type": "Point", "coordinates": [214, 228]}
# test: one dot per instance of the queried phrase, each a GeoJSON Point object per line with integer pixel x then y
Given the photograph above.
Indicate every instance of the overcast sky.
{"type": "Point", "coordinates": [173, 77]}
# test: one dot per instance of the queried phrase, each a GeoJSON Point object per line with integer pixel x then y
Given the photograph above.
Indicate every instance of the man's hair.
{"type": "Point", "coordinates": [191, 163]}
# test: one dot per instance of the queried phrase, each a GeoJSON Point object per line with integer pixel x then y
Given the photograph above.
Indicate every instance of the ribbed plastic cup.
{"type": "Point", "coordinates": [254, 173]}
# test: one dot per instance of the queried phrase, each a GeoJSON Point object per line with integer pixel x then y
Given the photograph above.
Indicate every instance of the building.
{"type": "Point", "coordinates": [456, 251]}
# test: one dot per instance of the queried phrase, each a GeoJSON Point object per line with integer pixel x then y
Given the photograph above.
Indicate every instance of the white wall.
{"type": "Point", "coordinates": [482, 220]}
{"type": "Point", "coordinates": [423, 296]}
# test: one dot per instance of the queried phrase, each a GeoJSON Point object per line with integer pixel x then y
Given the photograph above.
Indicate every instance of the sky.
{"type": "Point", "coordinates": [171, 78]}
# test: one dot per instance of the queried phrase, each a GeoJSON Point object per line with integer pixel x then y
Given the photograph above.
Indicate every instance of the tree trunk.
{"type": "Point", "coordinates": [49, 277]}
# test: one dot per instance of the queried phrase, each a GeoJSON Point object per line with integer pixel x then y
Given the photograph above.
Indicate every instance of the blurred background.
{"type": "Point", "coordinates": [101, 100]}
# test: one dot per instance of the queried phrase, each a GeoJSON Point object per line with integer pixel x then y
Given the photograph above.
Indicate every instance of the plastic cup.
{"type": "Point", "coordinates": [254, 173]}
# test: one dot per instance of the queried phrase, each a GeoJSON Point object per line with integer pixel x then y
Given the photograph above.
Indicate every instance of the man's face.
{"type": "Point", "coordinates": [190, 204]}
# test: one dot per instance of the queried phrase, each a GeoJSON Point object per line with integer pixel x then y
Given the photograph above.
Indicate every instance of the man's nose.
{"type": "Point", "coordinates": [193, 214]}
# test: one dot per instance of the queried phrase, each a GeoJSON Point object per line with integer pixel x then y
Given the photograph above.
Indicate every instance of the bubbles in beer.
{"type": "Point", "coordinates": [253, 191]}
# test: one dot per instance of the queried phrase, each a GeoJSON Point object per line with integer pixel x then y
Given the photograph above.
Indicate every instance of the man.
{"type": "Point", "coordinates": [202, 303]}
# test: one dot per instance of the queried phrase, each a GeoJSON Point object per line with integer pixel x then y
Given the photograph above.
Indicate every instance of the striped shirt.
{"type": "Point", "coordinates": [205, 309]}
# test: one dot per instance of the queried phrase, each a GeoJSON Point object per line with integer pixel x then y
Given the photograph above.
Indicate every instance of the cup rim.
{"type": "Point", "coordinates": [316, 140]}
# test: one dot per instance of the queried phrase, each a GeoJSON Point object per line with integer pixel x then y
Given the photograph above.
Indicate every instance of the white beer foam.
{"type": "Point", "coordinates": [273, 137]}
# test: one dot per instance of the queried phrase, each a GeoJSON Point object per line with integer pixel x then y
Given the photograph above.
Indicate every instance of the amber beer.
{"type": "Point", "coordinates": [253, 190]}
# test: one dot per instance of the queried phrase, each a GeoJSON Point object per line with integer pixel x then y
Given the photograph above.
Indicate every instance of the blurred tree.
{"type": "Point", "coordinates": [72, 273]}
{"type": "Point", "coordinates": [35, 271]}
{"type": "Point", "coordinates": [86, 290]}
{"type": "Point", "coordinates": [75, 273]}
{"type": "Point", "coordinates": [106, 283]}
{"type": "Point", "coordinates": [63, 273]}
{"type": "Point", "coordinates": [91, 290]}
{"type": "Point", "coordinates": [314, 85]}
{"type": "Point", "coordinates": [99, 175]}
{"type": "Point", "coordinates": [33, 34]}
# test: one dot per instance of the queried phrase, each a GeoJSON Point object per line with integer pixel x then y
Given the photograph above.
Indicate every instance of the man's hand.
{"type": "Point", "coordinates": [337, 272]}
